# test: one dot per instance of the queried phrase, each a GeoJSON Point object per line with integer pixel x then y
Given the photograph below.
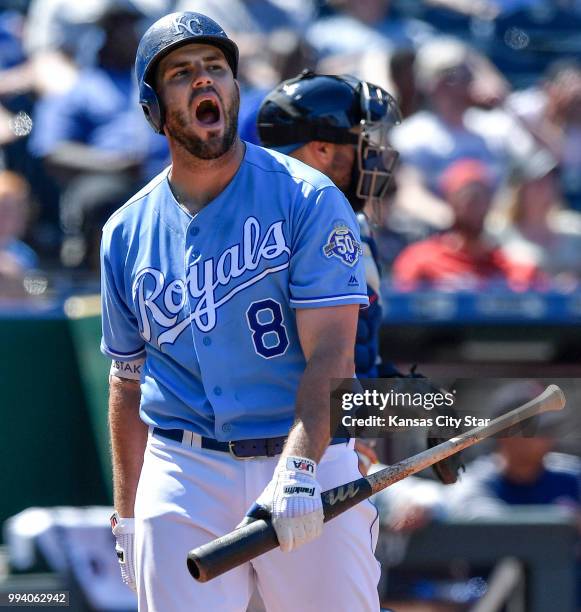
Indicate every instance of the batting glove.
{"type": "Point", "coordinates": [124, 532]}
{"type": "Point", "coordinates": [293, 498]}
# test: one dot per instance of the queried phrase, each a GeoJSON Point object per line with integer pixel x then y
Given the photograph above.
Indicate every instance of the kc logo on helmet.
{"type": "Point", "coordinates": [184, 25]}
{"type": "Point", "coordinates": [343, 245]}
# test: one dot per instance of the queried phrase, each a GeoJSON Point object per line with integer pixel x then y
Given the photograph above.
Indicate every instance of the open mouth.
{"type": "Point", "coordinates": [208, 111]}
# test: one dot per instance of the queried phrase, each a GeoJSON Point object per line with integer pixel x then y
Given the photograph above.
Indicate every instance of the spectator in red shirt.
{"type": "Point", "coordinates": [462, 257]}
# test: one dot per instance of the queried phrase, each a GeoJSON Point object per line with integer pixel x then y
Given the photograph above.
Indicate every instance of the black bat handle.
{"type": "Point", "coordinates": [254, 539]}
{"type": "Point", "coordinates": [231, 550]}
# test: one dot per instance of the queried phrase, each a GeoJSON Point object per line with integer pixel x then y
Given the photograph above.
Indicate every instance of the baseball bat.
{"type": "Point", "coordinates": [241, 545]}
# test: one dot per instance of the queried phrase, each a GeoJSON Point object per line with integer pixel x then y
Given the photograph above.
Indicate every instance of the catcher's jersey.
{"type": "Point", "coordinates": [208, 299]}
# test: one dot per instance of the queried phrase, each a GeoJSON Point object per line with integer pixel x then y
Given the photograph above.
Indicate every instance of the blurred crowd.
{"type": "Point", "coordinates": [488, 188]}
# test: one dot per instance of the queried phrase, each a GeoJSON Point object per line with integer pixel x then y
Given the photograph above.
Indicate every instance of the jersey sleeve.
{"type": "Point", "coordinates": [121, 339]}
{"type": "Point", "coordinates": [326, 267]}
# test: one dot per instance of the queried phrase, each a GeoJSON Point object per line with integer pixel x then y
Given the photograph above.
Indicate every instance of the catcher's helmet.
{"type": "Point", "coordinates": [165, 35]}
{"type": "Point", "coordinates": [327, 108]}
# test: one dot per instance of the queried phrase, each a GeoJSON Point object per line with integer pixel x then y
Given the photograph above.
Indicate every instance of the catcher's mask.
{"type": "Point", "coordinates": [340, 109]}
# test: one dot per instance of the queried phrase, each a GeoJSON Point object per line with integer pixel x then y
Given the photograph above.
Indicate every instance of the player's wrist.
{"type": "Point", "coordinates": [123, 529]}
{"type": "Point", "coordinates": [122, 525]}
{"type": "Point", "coordinates": [298, 466]}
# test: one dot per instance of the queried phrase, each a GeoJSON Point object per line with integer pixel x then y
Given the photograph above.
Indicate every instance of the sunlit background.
{"type": "Point", "coordinates": [490, 93]}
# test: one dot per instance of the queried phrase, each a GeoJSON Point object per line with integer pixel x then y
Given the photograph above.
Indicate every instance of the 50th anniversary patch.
{"type": "Point", "coordinates": [343, 245]}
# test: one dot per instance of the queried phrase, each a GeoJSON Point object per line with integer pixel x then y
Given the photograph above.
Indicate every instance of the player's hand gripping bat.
{"type": "Point", "coordinates": [243, 544]}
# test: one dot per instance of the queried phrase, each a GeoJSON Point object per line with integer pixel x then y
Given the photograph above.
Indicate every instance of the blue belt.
{"type": "Point", "coordinates": [239, 449]}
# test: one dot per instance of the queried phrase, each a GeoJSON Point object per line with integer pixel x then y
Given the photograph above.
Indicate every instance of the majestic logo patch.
{"type": "Point", "coordinates": [353, 282]}
{"type": "Point", "coordinates": [343, 245]}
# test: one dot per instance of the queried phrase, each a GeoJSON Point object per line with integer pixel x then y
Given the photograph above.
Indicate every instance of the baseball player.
{"type": "Point", "coordinates": [231, 286]}
{"type": "Point", "coordinates": [339, 125]}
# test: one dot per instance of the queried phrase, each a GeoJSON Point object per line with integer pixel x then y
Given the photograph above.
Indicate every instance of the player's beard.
{"type": "Point", "coordinates": [350, 191]}
{"type": "Point", "coordinates": [178, 128]}
{"type": "Point", "coordinates": [344, 172]}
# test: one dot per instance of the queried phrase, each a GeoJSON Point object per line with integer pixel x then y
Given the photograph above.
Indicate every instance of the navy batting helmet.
{"type": "Point", "coordinates": [165, 35]}
{"type": "Point", "coordinates": [327, 108]}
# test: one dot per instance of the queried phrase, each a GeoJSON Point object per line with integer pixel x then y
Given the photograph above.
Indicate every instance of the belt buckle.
{"type": "Point", "coordinates": [237, 457]}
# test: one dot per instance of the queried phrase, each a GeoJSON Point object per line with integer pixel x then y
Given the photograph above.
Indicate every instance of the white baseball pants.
{"type": "Point", "coordinates": [188, 496]}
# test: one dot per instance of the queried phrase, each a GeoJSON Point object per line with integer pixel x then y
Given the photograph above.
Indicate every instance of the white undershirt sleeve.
{"type": "Point", "coordinates": [127, 369]}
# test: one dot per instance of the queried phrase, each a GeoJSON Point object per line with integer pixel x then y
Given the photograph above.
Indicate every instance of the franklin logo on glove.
{"type": "Point", "coordinates": [309, 491]}
{"type": "Point", "coordinates": [293, 500]}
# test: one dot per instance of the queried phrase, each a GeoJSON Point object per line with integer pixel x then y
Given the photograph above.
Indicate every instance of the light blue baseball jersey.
{"type": "Point", "coordinates": [208, 299]}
